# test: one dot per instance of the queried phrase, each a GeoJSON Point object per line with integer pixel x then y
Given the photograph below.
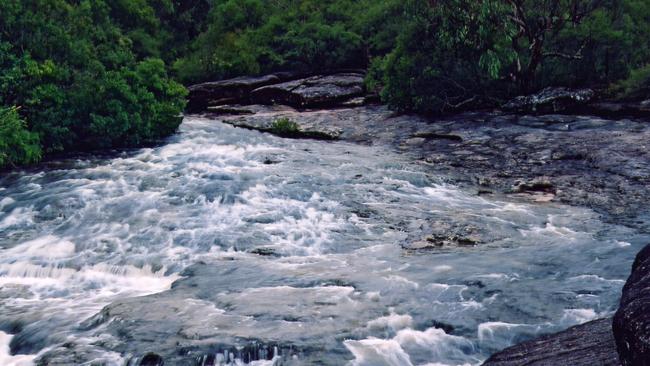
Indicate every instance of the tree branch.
{"type": "Point", "coordinates": [575, 56]}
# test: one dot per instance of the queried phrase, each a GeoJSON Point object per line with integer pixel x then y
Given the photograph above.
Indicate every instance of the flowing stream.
{"type": "Point", "coordinates": [292, 245]}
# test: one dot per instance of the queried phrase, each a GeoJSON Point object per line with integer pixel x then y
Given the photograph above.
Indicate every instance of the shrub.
{"type": "Point", "coordinates": [635, 86]}
{"type": "Point", "coordinates": [284, 127]}
{"type": "Point", "coordinates": [17, 144]}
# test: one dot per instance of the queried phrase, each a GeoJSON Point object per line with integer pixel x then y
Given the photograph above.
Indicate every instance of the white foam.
{"type": "Point", "coordinates": [45, 247]}
{"type": "Point", "coordinates": [401, 280]}
{"type": "Point", "coordinates": [393, 321]}
{"type": "Point", "coordinates": [551, 230]}
{"type": "Point", "coordinates": [377, 352]}
{"type": "Point", "coordinates": [577, 316]}
{"type": "Point", "coordinates": [6, 359]}
{"type": "Point", "coordinates": [89, 287]}
{"type": "Point", "coordinates": [6, 201]}
{"type": "Point", "coordinates": [488, 330]}
{"type": "Point", "coordinates": [441, 348]}
{"type": "Point", "coordinates": [596, 278]}
{"type": "Point", "coordinates": [17, 216]}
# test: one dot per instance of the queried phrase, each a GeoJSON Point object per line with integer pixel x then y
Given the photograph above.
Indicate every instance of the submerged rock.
{"type": "Point", "coordinates": [632, 320]}
{"type": "Point", "coordinates": [550, 100]}
{"type": "Point", "coordinates": [587, 344]}
{"type": "Point", "coordinates": [151, 359]}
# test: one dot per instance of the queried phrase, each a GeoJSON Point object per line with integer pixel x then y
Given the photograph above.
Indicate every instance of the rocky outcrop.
{"type": "Point", "coordinates": [285, 121]}
{"type": "Point", "coordinates": [632, 320]}
{"type": "Point", "coordinates": [317, 91]}
{"type": "Point", "coordinates": [229, 91]}
{"type": "Point", "coordinates": [329, 90]}
{"type": "Point", "coordinates": [550, 100]}
{"type": "Point", "coordinates": [583, 345]}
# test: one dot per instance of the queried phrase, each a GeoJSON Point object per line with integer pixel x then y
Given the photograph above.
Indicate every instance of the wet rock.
{"type": "Point", "coordinates": [535, 185]}
{"type": "Point", "coordinates": [632, 320]}
{"type": "Point", "coordinates": [438, 136]}
{"type": "Point", "coordinates": [619, 109]}
{"type": "Point", "coordinates": [298, 128]}
{"type": "Point", "coordinates": [355, 102]}
{"type": "Point", "coordinates": [263, 251]}
{"type": "Point", "coordinates": [151, 359]}
{"type": "Point", "coordinates": [550, 100]}
{"type": "Point", "coordinates": [588, 344]}
{"type": "Point", "coordinates": [230, 110]}
{"type": "Point", "coordinates": [445, 234]}
{"type": "Point", "coordinates": [316, 91]}
{"type": "Point", "coordinates": [229, 91]}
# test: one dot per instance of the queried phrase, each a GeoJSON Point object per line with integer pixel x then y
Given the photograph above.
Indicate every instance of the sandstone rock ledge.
{"type": "Point", "coordinates": [296, 90]}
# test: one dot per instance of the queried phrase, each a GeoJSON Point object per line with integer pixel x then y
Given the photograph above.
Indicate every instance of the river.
{"type": "Point", "coordinates": [230, 246]}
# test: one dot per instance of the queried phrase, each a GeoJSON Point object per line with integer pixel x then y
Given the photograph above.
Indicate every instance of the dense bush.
{"type": "Point", "coordinates": [428, 56]}
{"type": "Point", "coordinates": [460, 53]}
{"type": "Point", "coordinates": [256, 36]}
{"type": "Point", "coordinates": [80, 81]}
{"type": "Point", "coordinates": [17, 144]}
{"type": "Point", "coordinates": [445, 59]}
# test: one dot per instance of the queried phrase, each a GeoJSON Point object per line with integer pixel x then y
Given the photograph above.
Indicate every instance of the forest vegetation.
{"type": "Point", "coordinates": [94, 74]}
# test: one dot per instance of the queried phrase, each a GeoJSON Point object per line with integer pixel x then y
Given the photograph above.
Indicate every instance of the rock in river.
{"type": "Point", "coordinates": [583, 345]}
{"type": "Point", "coordinates": [632, 320]}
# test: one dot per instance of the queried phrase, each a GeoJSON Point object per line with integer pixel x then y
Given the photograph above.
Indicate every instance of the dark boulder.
{"type": "Point", "coordinates": [587, 344]}
{"type": "Point", "coordinates": [316, 91]}
{"type": "Point", "coordinates": [550, 100]}
{"type": "Point", "coordinates": [231, 91]}
{"type": "Point", "coordinates": [632, 320]}
{"type": "Point", "coordinates": [151, 359]}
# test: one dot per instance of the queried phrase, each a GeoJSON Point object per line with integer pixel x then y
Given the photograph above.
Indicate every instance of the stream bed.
{"type": "Point", "coordinates": [226, 246]}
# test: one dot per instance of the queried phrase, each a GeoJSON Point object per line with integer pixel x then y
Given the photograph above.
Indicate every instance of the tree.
{"type": "Point", "coordinates": [81, 81]}
{"type": "Point", "coordinates": [536, 21]}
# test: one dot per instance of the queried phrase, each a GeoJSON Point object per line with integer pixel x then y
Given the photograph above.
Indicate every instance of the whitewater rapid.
{"type": "Point", "coordinates": [223, 237]}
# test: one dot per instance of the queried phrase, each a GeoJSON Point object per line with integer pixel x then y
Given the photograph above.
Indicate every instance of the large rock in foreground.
{"type": "Point", "coordinates": [316, 91]}
{"type": "Point", "coordinates": [587, 344]}
{"type": "Point", "coordinates": [632, 320]}
{"type": "Point", "coordinates": [550, 100]}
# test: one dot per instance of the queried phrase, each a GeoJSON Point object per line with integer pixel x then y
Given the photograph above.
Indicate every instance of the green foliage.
{"type": "Point", "coordinates": [284, 127]}
{"type": "Point", "coordinates": [82, 74]}
{"type": "Point", "coordinates": [635, 86]}
{"type": "Point", "coordinates": [453, 54]}
{"type": "Point", "coordinates": [444, 58]}
{"type": "Point", "coordinates": [17, 144]}
{"type": "Point", "coordinates": [89, 74]}
{"type": "Point", "coordinates": [254, 36]}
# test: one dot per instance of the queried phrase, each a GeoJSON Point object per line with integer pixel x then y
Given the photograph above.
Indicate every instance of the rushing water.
{"type": "Point", "coordinates": [294, 245]}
